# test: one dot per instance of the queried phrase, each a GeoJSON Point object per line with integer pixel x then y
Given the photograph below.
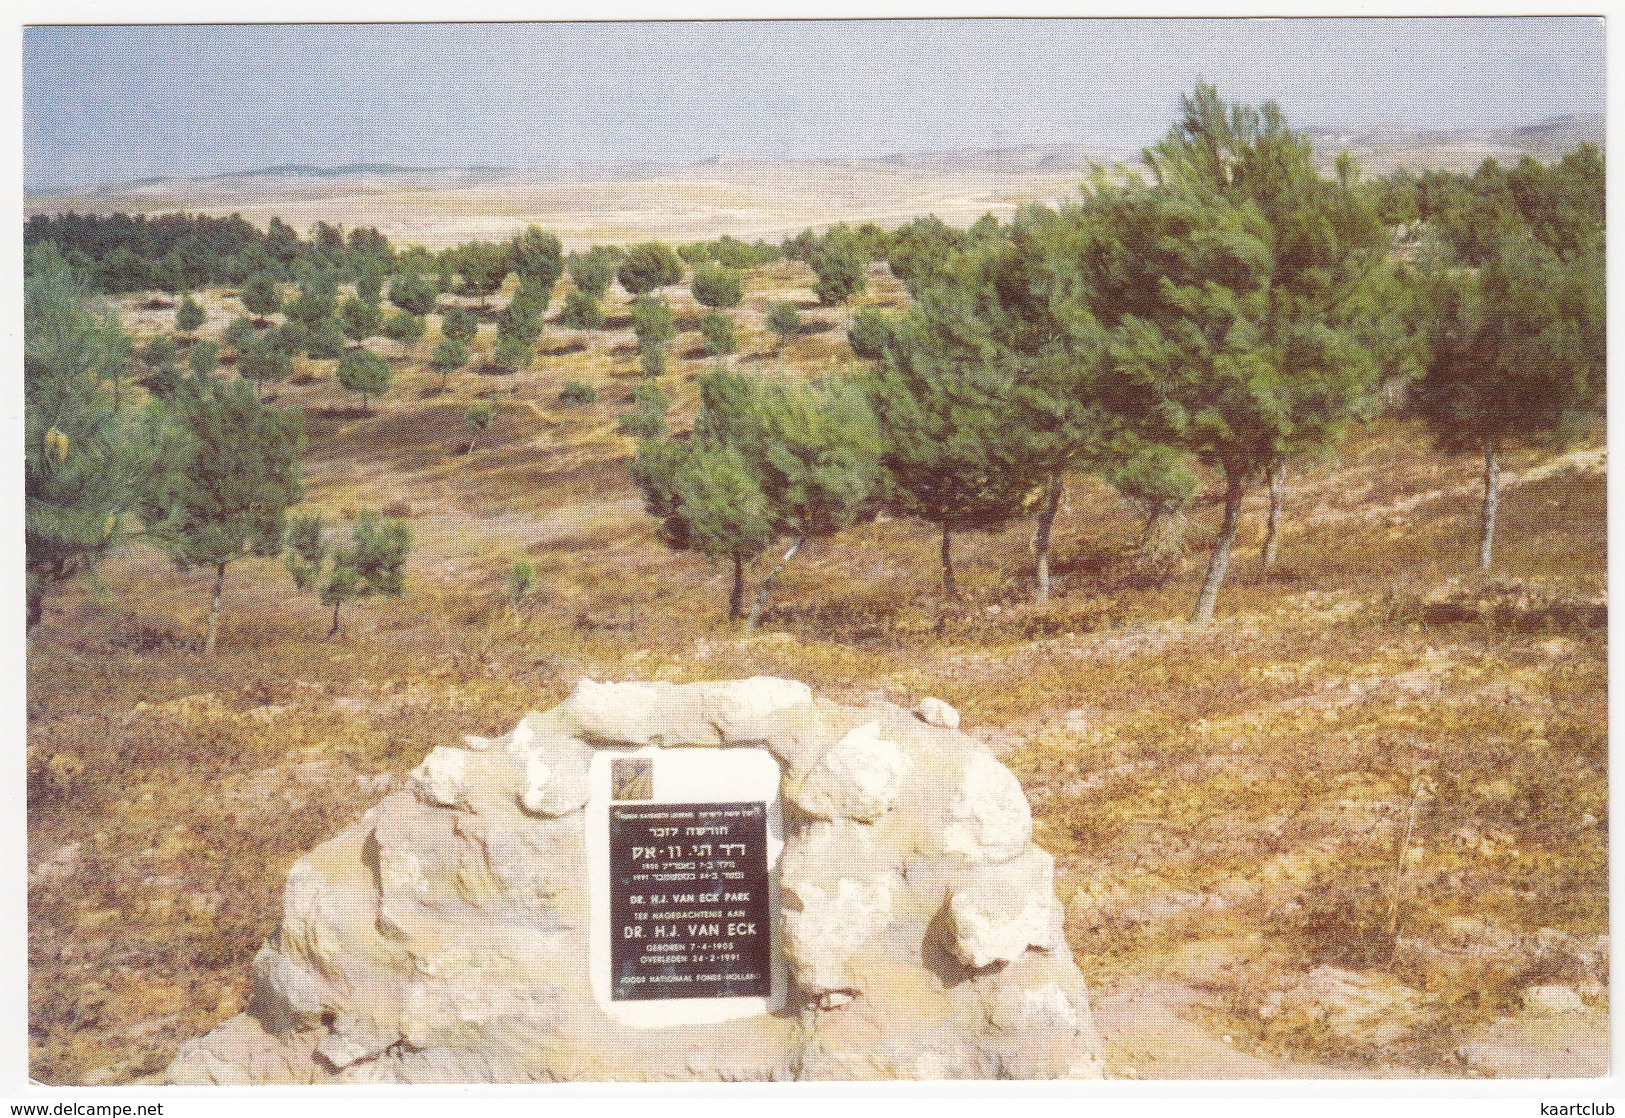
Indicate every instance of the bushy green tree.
{"type": "Point", "coordinates": [404, 327]}
{"type": "Point", "coordinates": [189, 315]}
{"type": "Point", "coordinates": [648, 267]}
{"type": "Point", "coordinates": [512, 353]}
{"type": "Point", "coordinates": [717, 287]}
{"type": "Point", "coordinates": [449, 355]}
{"type": "Point", "coordinates": [324, 339]}
{"type": "Point", "coordinates": [374, 562]}
{"type": "Point", "coordinates": [647, 418]}
{"type": "Point", "coordinates": [264, 362]}
{"type": "Point", "coordinates": [581, 311]}
{"type": "Point", "coordinates": [841, 270]}
{"type": "Point", "coordinates": [366, 374]}
{"type": "Point", "coordinates": [1516, 356]}
{"type": "Point", "coordinates": [484, 267]}
{"type": "Point", "coordinates": [203, 358]}
{"type": "Point", "coordinates": [412, 293]}
{"type": "Point", "coordinates": [315, 303]}
{"type": "Point", "coordinates": [718, 331]}
{"type": "Point", "coordinates": [652, 320]}
{"type": "Point", "coordinates": [522, 319]}
{"type": "Point", "coordinates": [359, 319]}
{"type": "Point", "coordinates": [539, 258]}
{"type": "Point", "coordinates": [227, 480]}
{"type": "Point", "coordinates": [459, 324]}
{"type": "Point", "coordinates": [784, 320]}
{"type": "Point", "coordinates": [592, 272]}
{"type": "Point", "coordinates": [159, 351]}
{"type": "Point", "coordinates": [82, 464]}
{"type": "Point", "coordinates": [869, 334]}
{"type": "Point", "coordinates": [239, 333]}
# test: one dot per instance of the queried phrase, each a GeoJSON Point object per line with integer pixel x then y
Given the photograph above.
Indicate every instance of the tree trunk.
{"type": "Point", "coordinates": [1220, 562]}
{"type": "Point", "coordinates": [1272, 525]}
{"type": "Point", "coordinates": [1492, 493]}
{"type": "Point", "coordinates": [334, 631]}
{"type": "Point", "coordinates": [948, 586]}
{"type": "Point", "coordinates": [1046, 521]}
{"type": "Point", "coordinates": [760, 603]}
{"type": "Point", "coordinates": [214, 608]}
{"type": "Point", "coordinates": [472, 439]}
{"type": "Point", "coordinates": [736, 596]}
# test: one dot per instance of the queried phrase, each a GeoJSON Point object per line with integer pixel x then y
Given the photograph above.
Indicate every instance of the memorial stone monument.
{"type": "Point", "coordinates": [726, 881]}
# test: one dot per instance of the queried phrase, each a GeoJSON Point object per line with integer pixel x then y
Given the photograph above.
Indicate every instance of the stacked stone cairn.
{"type": "Point", "coordinates": [444, 937]}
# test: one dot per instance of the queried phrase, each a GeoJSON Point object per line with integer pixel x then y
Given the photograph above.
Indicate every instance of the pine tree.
{"type": "Point", "coordinates": [373, 564]}
{"type": "Point", "coordinates": [365, 373]}
{"type": "Point", "coordinates": [226, 482]}
{"type": "Point", "coordinates": [189, 315]}
{"type": "Point", "coordinates": [82, 464]}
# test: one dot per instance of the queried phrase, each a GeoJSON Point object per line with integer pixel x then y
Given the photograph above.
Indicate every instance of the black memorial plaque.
{"type": "Point", "coordinates": [688, 907]}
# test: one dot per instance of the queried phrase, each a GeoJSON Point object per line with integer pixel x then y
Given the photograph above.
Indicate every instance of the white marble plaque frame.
{"type": "Point", "coordinates": [683, 775]}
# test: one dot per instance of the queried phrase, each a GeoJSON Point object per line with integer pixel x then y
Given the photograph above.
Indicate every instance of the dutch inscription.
{"type": "Point", "coordinates": [689, 901]}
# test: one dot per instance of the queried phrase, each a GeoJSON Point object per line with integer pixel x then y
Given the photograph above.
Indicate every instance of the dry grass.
{"type": "Point", "coordinates": [1228, 806]}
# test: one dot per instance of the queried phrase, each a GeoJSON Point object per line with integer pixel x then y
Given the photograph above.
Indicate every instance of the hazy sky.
{"type": "Point", "coordinates": [108, 104]}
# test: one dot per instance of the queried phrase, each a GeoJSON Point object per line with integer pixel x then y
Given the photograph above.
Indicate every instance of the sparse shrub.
{"type": "Point", "coordinates": [160, 351]}
{"type": "Point", "coordinates": [652, 360]}
{"type": "Point", "coordinates": [575, 393]}
{"type": "Point", "coordinates": [521, 580]}
{"type": "Point", "coordinates": [203, 358]}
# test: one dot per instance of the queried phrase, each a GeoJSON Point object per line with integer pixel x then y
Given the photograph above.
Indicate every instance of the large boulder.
{"type": "Point", "coordinates": [446, 937]}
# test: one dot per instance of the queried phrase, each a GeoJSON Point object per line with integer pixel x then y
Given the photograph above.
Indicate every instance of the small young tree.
{"type": "Point", "coordinates": [160, 351]}
{"type": "Point", "coordinates": [203, 359]}
{"type": "Point", "coordinates": [708, 500]}
{"type": "Point", "coordinates": [484, 267]}
{"type": "Point", "coordinates": [264, 362]}
{"type": "Point", "coordinates": [404, 327]}
{"type": "Point", "coordinates": [315, 302]}
{"type": "Point", "coordinates": [652, 360]}
{"type": "Point", "coordinates": [226, 486]}
{"type": "Point", "coordinates": [373, 564]}
{"type": "Point", "coordinates": [412, 293]}
{"type": "Point", "coordinates": [652, 320]}
{"type": "Point", "coordinates": [869, 334]}
{"type": "Point", "coordinates": [365, 373]}
{"type": "Point", "coordinates": [189, 315]}
{"type": "Point", "coordinates": [449, 355]}
{"type": "Point", "coordinates": [538, 257]}
{"type": "Point", "coordinates": [592, 272]}
{"type": "Point", "coordinates": [647, 419]}
{"type": "Point", "coordinates": [324, 341]}
{"type": "Point", "coordinates": [478, 420]}
{"type": "Point", "coordinates": [369, 286]}
{"type": "Point", "coordinates": [239, 332]}
{"type": "Point", "coordinates": [512, 353]}
{"type": "Point", "coordinates": [581, 311]}
{"type": "Point", "coordinates": [718, 331]}
{"type": "Point", "coordinates": [840, 268]}
{"type": "Point", "coordinates": [459, 324]}
{"type": "Point", "coordinates": [784, 320]}
{"type": "Point", "coordinates": [360, 320]}
{"type": "Point", "coordinates": [522, 318]}
{"type": "Point", "coordinates": [717, 287]}
{"type": "Point", "coordinates": [649, 267]}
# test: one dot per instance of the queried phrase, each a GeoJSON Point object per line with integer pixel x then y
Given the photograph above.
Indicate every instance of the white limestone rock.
{"type": "Point", "coordinates": [825, 924]}
{"type": "Point", "coordinates": [668, 714]}
{"type": "Point", "coordinates": [439, 779]}
{"type": "Point", "coordinates": [1004, 909]}
{"type": "Point", "coordinates": [989, 818]}
{"type": "Point", "coordinates": [859, 778]}
{"type": "Point", "coordinates": [935, 712]}
{"type": "Point", "coordinates": [554, 779]}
